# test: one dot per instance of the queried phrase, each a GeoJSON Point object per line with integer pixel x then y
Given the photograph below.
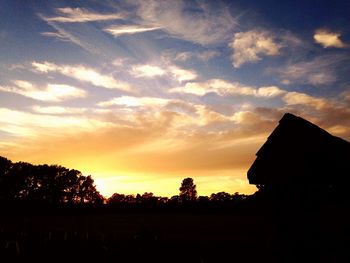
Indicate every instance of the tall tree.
{"type": "Point", "coordinates": [188, 190]}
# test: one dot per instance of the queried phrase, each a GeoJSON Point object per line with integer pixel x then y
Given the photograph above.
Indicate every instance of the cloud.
{"type": "Point", "coordinates": [184, 56]}
{"type": "Point", "coordinates": [169, 69]}
{"type": "Point", "coordinates": [320, 70]}
{"type": "Point", "coordinates": [58, 110]}
{"type": "Point", "coordinates": [250, 46]}
{"type": "Point", "coordinates": [346, 96]}
{"type": "Point", "coordinates": [328, 39]}
{"type": "Point", "coordinates": [331, 114]}
{"type": "Point", "coordinates": [28, 125]}
{"type": "Point", "coordinates": [271, 91]}
{"type": "Point", "coordinates": [206, 116]}
{"type": "Point", "coordinates": [150, 145]}
{"type": "Point", "coordinates": [297, 98]}
{"type": "Point", "coordinates": [52, 92]}
{"type": "Point", "coordinates": [58, 35]}
{"type": "Point", "coordinates": [82, 73]}
{"type": "Point", "coordinates": [207, 55]}
{"type": "Point", "coordinates": [118, 30]}
{"type": "Point", "coordinates": [148, 71]}
{"type": "Point", "coordinates": [64, 35]}
{"type": "Point", "coordinates": [181, 74]}
{"type": "Point", "coordinates": [181, 113]}
{"type": "Point", "coordinates": [134, 102]}
{"type": "Point", "coordinates": [85, 35]}
{"type": "Point", "coordinates": [204, 24]}
{"type": "Point", "coordinates": [167, 140]}
{"type": "Point", "coordinates": [203, 56]}
{"type": "Point", "coordinates": [81, 15]}
{"type": "Point", "coordinates": [225, 88]}
{"type": "Point", "coordinates": [163, 145]}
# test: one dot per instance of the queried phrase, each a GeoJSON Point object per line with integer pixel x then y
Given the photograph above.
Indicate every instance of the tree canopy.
{"type": "Point", "coordinates": [188, 190]}
{"type": "Point", "coordinates": [45, 183]}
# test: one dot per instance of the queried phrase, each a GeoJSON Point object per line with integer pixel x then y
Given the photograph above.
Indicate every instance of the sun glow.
{"type": "Point", "coordinates": [131, 183]}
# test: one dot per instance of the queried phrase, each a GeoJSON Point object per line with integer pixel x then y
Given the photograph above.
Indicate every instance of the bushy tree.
{"type": "Point", "coordinates": [116, 198]}
{"type": "Point", "coordinates": [188, 190]}
{"type": "Point", "coordinates": [221, 197]}
{"type": "Point", "coordinates": [121, 198]}
{"type": "Point", "coordinates": [45, 183]}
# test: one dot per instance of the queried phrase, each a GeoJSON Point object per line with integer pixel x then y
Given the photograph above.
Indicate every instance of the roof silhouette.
{"type": "Point", "coordinates": [300, 152]}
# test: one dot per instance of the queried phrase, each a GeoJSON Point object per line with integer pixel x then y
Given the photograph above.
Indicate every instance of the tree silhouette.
{"type": "Point", "coordinates": [149, 198]}
{"type": "Point", "coordinates": [175, 199]}
{"type": "Point", "coordinates": [220, 197]}
{"type": "Point", "coordinates": [188, 190]}
{"type": "Point", "coordinates": [5, 166]}
{"type": "Point", "coordinates": [45, 184]}
{"type": "Point", "coordinates": [87, 190]}
{"type": "Point", "coordinates": [116, 198]}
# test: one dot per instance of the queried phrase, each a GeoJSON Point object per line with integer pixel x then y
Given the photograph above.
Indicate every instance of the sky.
{"type": "Point", "coordinates": [141, 94]}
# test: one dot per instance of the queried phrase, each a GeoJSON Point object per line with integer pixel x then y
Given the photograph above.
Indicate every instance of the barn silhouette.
{"type": "Point", "coordinates": [301, 157]}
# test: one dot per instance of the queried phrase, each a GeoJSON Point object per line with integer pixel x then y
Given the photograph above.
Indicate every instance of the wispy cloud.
{"type": "Point", "coordinates": [320, 70]}
{"type": "Point", "coordinates": [58, 110]}
{"type": "Point", "coordinates": [134, 102]}
{"type": "Point", "coordinates": [165, 69]}
{"type": "Point", "coordinates": [181, 113]}
{"type": "Point", "coordinates": [118, 30]}
{"type": "Point", "coordinates": [82, 73]}
{"type": "Point", "coordinates": [88, 37]}
{"type": "Point", "coordinates": [64, 35]}
{"type": "Point", "coordinates": [30, 125]}
{"type": "Point", "coordinates": [346, 96]}
{"type": "Point", "coordinates": [150, 148]}
{"type": "Point", "coordinates": [207, 25]}
{"type": "Point", "coordinates": [297, 98]}
{"type": "Point", "coordinates": [328, 39]}
{"type": "Point", "coordinates": [80, 15]}
{"type": "Point", "coordinates": [148, 71]}
{"type": "Point", "coordinates": [250, 46]}
{"type": "Point", "coordinates": [331, 113]}
{"type": "Point", "coordinates": [225, 88]}
{"type": "Point", "coordinates": [203, 56]}
{"type": "Point", "coordinates": [181, 74]}
{"type": "Point", "coordinates": [52, 92]}
{"type": "Point", "coordinates": [60, 36]}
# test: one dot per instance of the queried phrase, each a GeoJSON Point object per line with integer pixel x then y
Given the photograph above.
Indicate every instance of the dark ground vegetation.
{"type": "Point", "coordinates": [54, 214]}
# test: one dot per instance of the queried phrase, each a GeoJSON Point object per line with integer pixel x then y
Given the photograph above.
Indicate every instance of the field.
{"type": "Point", "coordinates": [173, 237]}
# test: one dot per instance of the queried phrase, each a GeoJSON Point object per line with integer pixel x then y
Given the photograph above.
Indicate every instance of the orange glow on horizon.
{"type": "Point", "coordinates": [166, 185]}
{"type": "Point", "coordinates": [169, 186]}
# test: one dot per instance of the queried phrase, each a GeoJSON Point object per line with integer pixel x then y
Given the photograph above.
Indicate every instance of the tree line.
{"type": "Point", "coordinates": [187, 194]}
{"type": "Point", "coordinates": [55, 184]}
{"type": "Point", "coordinates": [52, 184]}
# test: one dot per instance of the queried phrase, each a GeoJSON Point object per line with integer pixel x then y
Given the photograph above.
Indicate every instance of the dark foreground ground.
{"type": "Point", "coordinates": [175, 236]}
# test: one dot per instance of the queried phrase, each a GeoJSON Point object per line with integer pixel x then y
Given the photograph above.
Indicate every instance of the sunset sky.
{"type": "Point", "coordinates": [141, 94]}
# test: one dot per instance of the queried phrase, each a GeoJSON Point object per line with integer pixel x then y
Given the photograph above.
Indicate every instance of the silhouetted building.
{"type": "Point", "coordinates": [299, 155]}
